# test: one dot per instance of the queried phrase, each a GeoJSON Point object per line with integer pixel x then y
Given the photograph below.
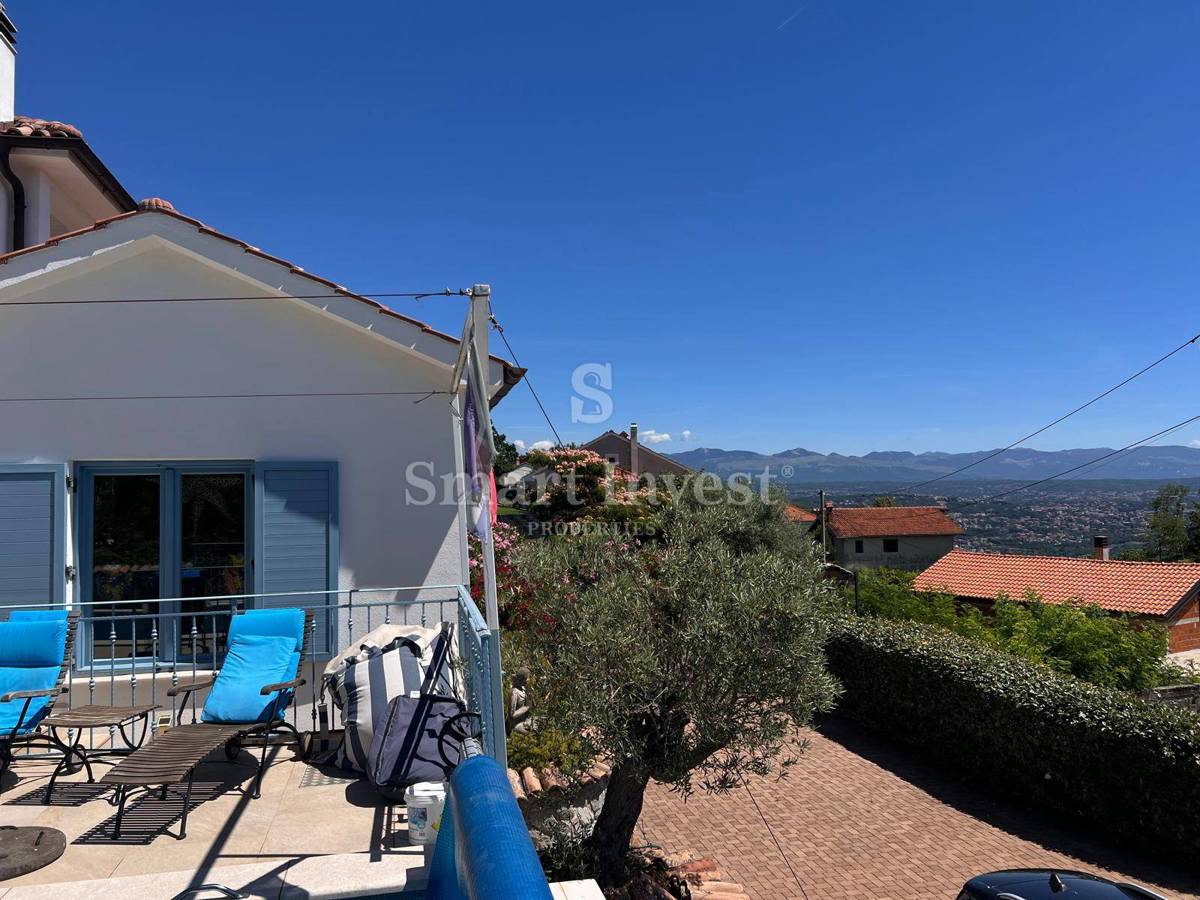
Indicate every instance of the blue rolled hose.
{"type": "Point", "coordinates": [483, 849]}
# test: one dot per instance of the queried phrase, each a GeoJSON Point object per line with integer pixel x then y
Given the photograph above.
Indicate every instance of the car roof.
{"type": "Point", "coordinates": [1034, 884]}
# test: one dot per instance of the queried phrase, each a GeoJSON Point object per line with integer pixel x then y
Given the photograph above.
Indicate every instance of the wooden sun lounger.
{"type": "Point", "coordinates": [172, 757]}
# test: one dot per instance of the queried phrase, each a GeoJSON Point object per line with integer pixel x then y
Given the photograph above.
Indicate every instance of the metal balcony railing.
{"type": "Point", "coordinates": [130, 652]}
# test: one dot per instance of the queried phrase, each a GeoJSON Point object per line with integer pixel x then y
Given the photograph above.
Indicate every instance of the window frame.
{"type": "Point", "coordinates": [170, 530]}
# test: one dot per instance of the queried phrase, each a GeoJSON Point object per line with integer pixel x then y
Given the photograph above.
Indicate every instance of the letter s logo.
{"type": "Point", "coordinates": [595, 390]}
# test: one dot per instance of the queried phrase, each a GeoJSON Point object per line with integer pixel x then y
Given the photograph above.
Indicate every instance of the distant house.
{"type": "Point", "coordinates": [625, 452]}
{"type": "Point", "coordinates": [1156, 591]}
{"type": "Point", "coordinates": [800, 515]}
{"type": "Point", "coordinates": [901, 537]}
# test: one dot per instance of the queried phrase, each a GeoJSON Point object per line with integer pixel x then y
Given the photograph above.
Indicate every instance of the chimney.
{"type": "Point", "coordinates": [8, 66]}
{"type": "Point", "coordinates": [633, 448]}
{"type": "Point", "coordinates": [1100, 544]}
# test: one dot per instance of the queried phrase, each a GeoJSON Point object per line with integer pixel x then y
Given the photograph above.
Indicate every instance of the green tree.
{"type": "Point", "coordinates": [1166, 529]}
{"type": "Point", "coordinates": [1132, 554]}
{"type": "Point", "coordinates": [506, 456]}
{"type": "Point", "coordinates": [1193, 531]}
{"type": "Point", "coordinates": [689, 660]}
{"type": "Point", "coordinates": [1079, 640]}
{"type": "Point", "coordinates": [884, 500]}
{"type": "Point", "coordinates": [889, 593]}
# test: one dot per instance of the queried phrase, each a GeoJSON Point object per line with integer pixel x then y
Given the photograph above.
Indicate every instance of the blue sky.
{"type": "Point", "coordinates": [840, 225]}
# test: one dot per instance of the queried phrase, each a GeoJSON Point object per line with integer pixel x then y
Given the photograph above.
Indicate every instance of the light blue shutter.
{"type": "Point", "coordinates": [296, 536]}
{"type": "Point", "coordinates": [33, 515]}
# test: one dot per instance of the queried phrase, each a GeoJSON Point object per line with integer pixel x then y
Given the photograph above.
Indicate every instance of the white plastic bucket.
{"type": "Point", "coordinates": [424, 802]}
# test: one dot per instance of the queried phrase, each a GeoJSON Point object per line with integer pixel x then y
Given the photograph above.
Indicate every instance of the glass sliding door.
{"type": "Point", "coordinates": [212, 534]}
{"type": "Point", "coordinates": [150, 532]}
{"type": "Point", "coordinates": [126, 562]}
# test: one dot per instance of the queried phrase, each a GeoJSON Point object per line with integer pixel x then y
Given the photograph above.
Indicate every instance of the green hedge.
{"type": "Point", "coordinates": [1101, 754]}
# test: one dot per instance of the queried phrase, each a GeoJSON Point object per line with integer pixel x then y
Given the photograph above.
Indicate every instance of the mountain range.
{"type": "Point", "coordinates": [801, 466]}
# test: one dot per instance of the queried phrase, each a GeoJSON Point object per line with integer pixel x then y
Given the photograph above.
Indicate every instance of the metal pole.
{"type": "Point", "coordinates": [824, 548]}
{"type": "Point", "coordinates": [481, 319]}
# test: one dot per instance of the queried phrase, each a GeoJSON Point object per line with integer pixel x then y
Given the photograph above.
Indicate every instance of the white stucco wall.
{"type": "Point", "coordinates": [281, 346]}
{"type": "Point", "coordinates": [914, 552]}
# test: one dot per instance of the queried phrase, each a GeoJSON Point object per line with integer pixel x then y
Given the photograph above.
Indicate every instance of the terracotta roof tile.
{"type": "Point", "coordinates": [156, 203]}
{"type": "Point", "coordinates": [799, 514]}
{"type": "Point", "coordinates": [531, 784]}
{"type": "Point", "coordinates": [26, 126]}
{"type": "Point", "coordinates": [1146, 588]}
{"type": "Point", "coordinates": [889, 521]}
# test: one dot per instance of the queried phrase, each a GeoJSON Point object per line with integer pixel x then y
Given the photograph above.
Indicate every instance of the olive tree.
{"type": "Point", "coordinates": [689, 659]}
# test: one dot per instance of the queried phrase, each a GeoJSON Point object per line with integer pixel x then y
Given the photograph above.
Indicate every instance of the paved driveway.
{"type": "Point", "coordinates": [860, 818]}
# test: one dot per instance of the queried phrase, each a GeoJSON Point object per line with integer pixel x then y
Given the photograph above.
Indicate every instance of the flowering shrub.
{"type": "Point", "coordinates": [577, 481]}
{"type": "Point", "coordinates": [513, 596]}
{"type": "Point", "coordinates": [582, 485]}
{"type": "Point", "coordinates": [564, 460]}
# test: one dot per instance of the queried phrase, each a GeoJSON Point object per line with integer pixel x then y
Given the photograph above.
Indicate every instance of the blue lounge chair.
{"type": "Point", "coordinates": [35, 655]}
{"type": "Point", "coordinates": [249, 696]}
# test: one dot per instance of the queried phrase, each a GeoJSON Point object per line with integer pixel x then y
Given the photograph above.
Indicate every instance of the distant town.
{"type": "Point", "coordinates": [1058, 519]}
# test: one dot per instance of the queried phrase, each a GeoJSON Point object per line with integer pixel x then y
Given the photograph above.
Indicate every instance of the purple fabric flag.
{"type": "Point", "coordinates": [477, 451]}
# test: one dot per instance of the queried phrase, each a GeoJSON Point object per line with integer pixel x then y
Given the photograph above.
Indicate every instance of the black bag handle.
{"type": "Point", "coordinates": [440, 654]}
{"type": "Point", "coordinates": [451, 728]}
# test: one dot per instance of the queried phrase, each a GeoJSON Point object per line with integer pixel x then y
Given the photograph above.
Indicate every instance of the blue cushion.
{"type": "Point", "coordinates": [25, 679]}
{"type": "Point", "coordinates": [253, 661]}
{"type": "Point", "coordinates": [31, 656]}
{"type": "Point", "coordinates": [38, 615]}
{"type": "Point", "coordinates": [32, 643]}
{"type": "Point", "coordinates": [275, 622]}
{"type": "Point", "coordinates": [286, 622]}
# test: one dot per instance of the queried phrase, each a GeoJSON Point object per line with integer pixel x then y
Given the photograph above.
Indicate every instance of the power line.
{"type": "Point", "coordinates": [1061, 418]}
{"type": "Point", "coordinates": [1110, 453]}
{"type": "Point", "coordinates": [771, 831]}
{"type": "Point", "coordinates": [422, 394]}
{"type": "Point", "coordinates": [500, 331]}
{"type": "Point", "coordinates": [344, 294]}
{"type": "Point", "coordinates": [1129, 452]}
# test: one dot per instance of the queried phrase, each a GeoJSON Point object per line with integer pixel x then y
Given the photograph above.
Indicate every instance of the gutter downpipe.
{"type": "Point", "coordinates": [18, 198]}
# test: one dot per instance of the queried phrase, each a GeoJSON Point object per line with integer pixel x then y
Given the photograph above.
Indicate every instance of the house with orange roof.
{"type": "Point", "coordinates": [800, 515]}
{"type": "Point", "coordinates": [899, 537]}
{"type": "Point", "coordinates": [1161, 592]}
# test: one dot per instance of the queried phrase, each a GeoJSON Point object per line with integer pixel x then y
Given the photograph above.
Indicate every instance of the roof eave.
{"type": "Point", "coordinates": [512, 374]}
{"type": "Point", "coordinates": [512, 377]}
{"type": "Point", "coordinates": [105, 180]}
{"type": "Point", "coordinates": [1183, 602]}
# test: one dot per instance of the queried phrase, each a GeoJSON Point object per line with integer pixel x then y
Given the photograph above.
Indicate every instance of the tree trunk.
{"type": "Point", "coordinates": [613, 833]}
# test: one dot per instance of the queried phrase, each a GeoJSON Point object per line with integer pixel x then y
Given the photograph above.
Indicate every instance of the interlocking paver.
{"type": "Point", "coordinates": [862, 818]}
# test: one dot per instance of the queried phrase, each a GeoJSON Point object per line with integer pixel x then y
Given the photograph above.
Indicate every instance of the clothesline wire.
{"type": "Point", "coordinates": [342, 294]}
{"type": "Point", "coordinates": [529, 384]}
{"type": "Point", "coordinates": [1080, 408]}
{"type": "Point", "coordinates": [254, 396]}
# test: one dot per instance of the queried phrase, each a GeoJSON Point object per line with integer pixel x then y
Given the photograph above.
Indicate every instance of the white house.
{"type": "Point", "coordinates": [211, 446]}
